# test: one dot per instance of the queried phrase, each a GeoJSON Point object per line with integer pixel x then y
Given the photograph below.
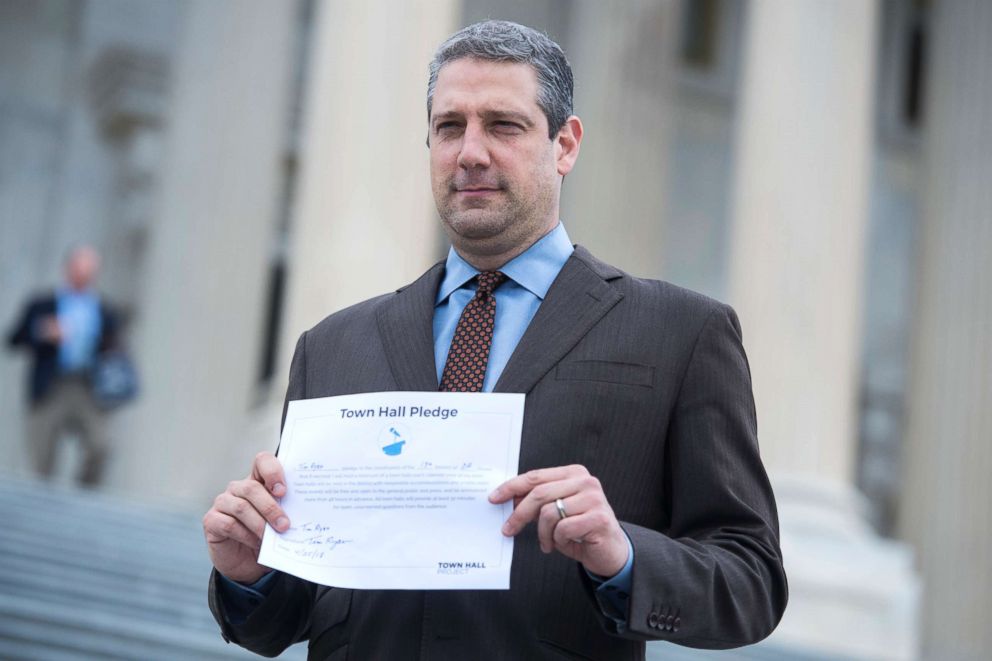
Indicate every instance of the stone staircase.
{"type": "Point", "coordinates": [85, 575]}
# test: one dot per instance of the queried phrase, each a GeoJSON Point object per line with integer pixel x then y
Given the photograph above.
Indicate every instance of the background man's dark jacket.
{"type": "Point", "coordinates": [45, 355]}
{"type": "Point", "coordinates": [642, 382]}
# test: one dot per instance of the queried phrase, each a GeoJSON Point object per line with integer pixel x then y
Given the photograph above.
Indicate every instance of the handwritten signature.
{"type": "Point", "coordinates": [314, 534]}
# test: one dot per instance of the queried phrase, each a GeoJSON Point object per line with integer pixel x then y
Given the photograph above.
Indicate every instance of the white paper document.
{"type": "Point", "coordinates": [390, 490]}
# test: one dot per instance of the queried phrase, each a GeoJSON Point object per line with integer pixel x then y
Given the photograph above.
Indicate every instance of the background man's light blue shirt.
{"type": "Point", "coordinates": [79, 316]}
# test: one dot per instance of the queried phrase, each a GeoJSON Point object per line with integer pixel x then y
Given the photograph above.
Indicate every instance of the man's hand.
{"type": "Point", "coordinates": [589, 533]}
{"type": "Point", "coordinates": [234, 525]}
{"type": "Point", "coordinates": [50, 330]}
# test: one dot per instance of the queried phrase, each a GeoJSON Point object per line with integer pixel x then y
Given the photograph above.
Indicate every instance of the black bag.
{"type": "Point", "coordinates": [114, 379]}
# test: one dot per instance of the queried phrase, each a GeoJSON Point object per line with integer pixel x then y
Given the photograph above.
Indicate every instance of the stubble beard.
{"type": "Point", "coordinates": [495, 226]}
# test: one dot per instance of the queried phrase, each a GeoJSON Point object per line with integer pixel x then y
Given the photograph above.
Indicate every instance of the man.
{"type": "Point", "coordinates": [652, 515]}
{"type": "Point", "coordinates": [65, 331]}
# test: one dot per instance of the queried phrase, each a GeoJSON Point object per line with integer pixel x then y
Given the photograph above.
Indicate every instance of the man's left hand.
{"type": "Point", "coordinates": [589, 532]}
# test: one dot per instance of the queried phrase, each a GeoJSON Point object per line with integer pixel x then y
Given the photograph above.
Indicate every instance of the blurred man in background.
{"type": "Point", "coordinates": [65, 331]}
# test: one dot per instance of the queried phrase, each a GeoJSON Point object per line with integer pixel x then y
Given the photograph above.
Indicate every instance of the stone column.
{"type": "Point", "coordinates": [804, 142]}
{"type": "Point", "coordinates": [623, 57]}
{"type": "Point", "coordinates": [946, 508]}
{"type": "Point", "coordinates": [365, 220]}
{"type": "Point", "coordinates": [128, 90]}
{"type": "Point", "coordinates": [197, 339]}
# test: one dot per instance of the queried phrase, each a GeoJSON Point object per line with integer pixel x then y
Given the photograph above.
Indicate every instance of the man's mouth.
{"type": "Point", "coordinates": [476, 191]}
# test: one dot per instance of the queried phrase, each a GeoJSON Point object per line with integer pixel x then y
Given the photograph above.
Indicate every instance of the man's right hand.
{"type": "Point", "coordinates": [50, 330]}
{"type": "Point", "coordinates": [234, 525]}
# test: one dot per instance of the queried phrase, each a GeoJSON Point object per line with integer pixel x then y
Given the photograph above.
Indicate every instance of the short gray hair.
{"type": "Point", "coordinates": [503, 41]}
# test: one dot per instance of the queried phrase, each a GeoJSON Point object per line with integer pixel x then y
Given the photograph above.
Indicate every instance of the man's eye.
{"type": "Point", "coordinates": [445, 126]}
{"type": "Point", "coordinates": [508, 127]}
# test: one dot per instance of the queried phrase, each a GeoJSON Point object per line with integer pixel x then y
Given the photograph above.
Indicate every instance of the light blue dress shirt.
{"type": "Point", "coordinates": [529, 277]}
{"type": "Point", "coordinates": [79, 316]}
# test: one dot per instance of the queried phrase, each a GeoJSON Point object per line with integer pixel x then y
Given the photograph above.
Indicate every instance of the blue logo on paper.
{"type": "Point", "coordinates": [395, 448]}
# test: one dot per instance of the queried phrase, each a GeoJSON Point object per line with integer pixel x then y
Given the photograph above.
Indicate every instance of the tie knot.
{"type": "Point", "coordinates": [489, 281]}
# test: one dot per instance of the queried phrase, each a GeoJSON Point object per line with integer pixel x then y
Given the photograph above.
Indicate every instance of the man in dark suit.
{"type": "Point", "coordinates": [652, 514]}
{"type": "Point", "coordinates": [65, 331]}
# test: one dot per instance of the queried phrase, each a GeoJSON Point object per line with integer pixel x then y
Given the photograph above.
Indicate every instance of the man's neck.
{"type": "Point", "coordinates": [70, 290]}
{"type": "Point", "coordinates": [493, 262]}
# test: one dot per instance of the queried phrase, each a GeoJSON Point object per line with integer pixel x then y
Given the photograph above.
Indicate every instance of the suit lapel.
{"type": "Point", "coordinates": [577, 300]}
{"type": "Point", "coordinates": [406, 325]}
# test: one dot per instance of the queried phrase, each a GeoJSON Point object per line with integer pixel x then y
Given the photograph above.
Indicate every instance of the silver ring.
{"type": "Point", "coordinates": [560, 506]}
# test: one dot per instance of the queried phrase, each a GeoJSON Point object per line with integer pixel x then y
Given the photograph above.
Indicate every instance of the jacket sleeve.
{"type": "Point", "coordinates": [23, 332]}
{"type": "Point", "coordinates": [283, 617]}
{"type": "Point", "coordinates": [714, 578]}
{"type": "Point", "coordinates": [279, 621]}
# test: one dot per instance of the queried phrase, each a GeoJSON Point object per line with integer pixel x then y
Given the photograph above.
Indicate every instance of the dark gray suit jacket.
{"type": "Point", "coordinates": [642, 382]}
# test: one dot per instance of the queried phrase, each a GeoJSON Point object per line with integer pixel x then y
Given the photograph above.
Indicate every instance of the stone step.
{"type": "Point", "coordinates": [97, 634]}
{"type": "Point", "coordinates": [87, 518]}
{"type": "Point", "coordinates": [15, 491]}
{"type": "Point", "coordinates": [133, 566]}
{"type": "Point", "coordinates": [72, 588]}
{"type": "Point", "coordinates": [86, 575]}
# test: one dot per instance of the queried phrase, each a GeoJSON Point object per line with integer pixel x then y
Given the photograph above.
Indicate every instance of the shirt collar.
{"type": "Point", "coordinates": [534, 269]}
{"type": "Point", "coordinates": [67, 292]}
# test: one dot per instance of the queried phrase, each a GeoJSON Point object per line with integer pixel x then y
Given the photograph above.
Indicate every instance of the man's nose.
{"type": "Point", "coordinates": [474, 151]}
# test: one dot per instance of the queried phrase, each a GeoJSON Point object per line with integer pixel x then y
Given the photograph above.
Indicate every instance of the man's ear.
{"type": "Point", "coordinates": [567, 144]}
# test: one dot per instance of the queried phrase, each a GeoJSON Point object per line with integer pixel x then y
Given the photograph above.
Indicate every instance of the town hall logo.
{"type": "Point", "coordinates": [394, 438]}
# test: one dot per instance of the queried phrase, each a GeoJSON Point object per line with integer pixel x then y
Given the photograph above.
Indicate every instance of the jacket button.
{"type": "Point", "coordinates": [653, 620]}
{"type": "Point", "coordinates": [676, 624]}
{"type": "Point", "coordinates": [669, 621]}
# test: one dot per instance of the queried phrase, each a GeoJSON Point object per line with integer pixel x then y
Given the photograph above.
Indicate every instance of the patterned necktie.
{"type": "Point", "coordinates": [465, 369]}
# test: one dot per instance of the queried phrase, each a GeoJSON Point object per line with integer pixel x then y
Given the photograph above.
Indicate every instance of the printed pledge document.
{"type": "Point", "coordinates": [390, 490]}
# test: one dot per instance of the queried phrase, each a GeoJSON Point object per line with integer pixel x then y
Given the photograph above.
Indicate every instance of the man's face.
{"type": "Point", "coordinates": [494, 172]}
{"type": "Point", "coordinates": [82, 267]}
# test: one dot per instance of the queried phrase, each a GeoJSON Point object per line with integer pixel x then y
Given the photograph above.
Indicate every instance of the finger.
{"type": "Point", "coordinates": [267, 469]}
{"type": "Point", "coordinates": [530, 507]}
{"type": "Point", "coordinates": [595, 539]}
{"type": "Point", "coordinates": [262, 501]}
{"type": "Point", "coordinates": [220, 527]}
{"type": "Point", "coordinates": [549, 516]}
{"type": "Point", "coordinates": [546, 520]}
{"type": "Point", "coordinates": [524, 483]}
{"type": "Point", "coordinates": [590, 527]}
{"type": "Point", "coordinates": [242, 510]}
